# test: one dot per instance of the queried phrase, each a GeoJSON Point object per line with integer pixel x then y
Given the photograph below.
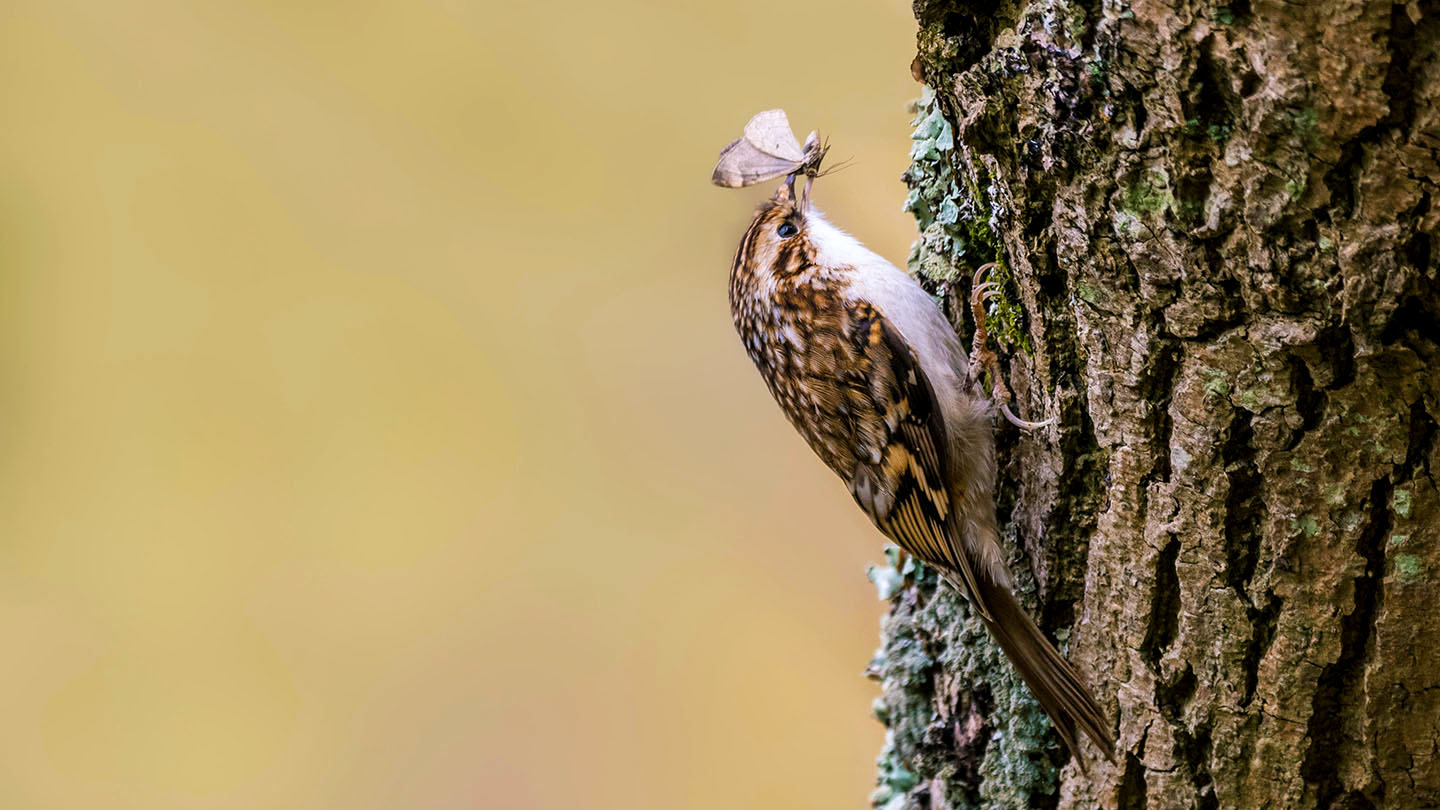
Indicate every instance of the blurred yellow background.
{"type": "Point", "coordinates": [374, 433]}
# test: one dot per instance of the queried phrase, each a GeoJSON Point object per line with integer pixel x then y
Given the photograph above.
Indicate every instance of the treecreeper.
{"type": "Point", "coordinates": [870, 371]}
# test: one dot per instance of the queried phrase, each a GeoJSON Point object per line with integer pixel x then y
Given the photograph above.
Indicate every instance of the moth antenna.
{"type": "Point", "coordinates": [841, 166]}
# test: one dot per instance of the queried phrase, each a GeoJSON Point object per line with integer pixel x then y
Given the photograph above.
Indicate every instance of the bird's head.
{"type": "Point", "coordinates": [778, 239]}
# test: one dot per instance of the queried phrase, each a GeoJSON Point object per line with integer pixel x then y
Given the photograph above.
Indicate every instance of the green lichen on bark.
{"type": "Point", "coordinates": [936, 657]}
{"type": "Point", "coordinates": [956, 220]}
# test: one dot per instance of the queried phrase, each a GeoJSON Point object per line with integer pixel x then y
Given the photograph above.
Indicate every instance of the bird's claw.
{"type": "Point", "coordinates": [1021, 423]}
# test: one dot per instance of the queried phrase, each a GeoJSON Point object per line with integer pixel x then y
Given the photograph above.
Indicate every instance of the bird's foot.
{"type": "Point", "coordinates": [981, 357]}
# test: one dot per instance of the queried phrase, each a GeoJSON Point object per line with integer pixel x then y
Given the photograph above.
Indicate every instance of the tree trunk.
{"type": "Point", "coordinates": [1214, 225]}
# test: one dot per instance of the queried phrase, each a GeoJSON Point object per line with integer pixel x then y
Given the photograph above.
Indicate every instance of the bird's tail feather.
{"type": "Point", "coordinates": [1050, 677]}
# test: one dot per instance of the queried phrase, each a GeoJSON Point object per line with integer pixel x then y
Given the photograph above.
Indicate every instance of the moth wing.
{"type": "Point", "coordinates": [769, 132]}
{"type": "Point", "coordinates": [741, 164]}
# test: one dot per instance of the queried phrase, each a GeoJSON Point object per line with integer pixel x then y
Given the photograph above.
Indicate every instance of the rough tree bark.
{"type": "Point", "coordinates": [1215, 225]}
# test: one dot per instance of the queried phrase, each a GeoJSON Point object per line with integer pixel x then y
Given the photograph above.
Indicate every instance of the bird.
{"type": "Point", "coordinates": [872, 374]}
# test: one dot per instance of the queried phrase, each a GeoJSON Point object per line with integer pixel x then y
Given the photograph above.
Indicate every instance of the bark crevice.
{"type": "Point", "coordinates": [1327, 730]}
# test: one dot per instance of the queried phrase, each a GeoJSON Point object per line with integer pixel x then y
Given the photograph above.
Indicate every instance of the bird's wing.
{"type": "Point", "coordinates": [900, 477]}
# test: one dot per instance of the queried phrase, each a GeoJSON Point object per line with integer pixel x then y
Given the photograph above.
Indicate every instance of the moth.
{"type": "Point", "coordinates": [767, 150]}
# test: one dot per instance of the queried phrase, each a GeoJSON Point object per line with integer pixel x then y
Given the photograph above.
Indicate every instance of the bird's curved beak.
{"type": "Point", "coordinates": [786, 191]}
{"type": "Point", "coordinates": [810, 168]}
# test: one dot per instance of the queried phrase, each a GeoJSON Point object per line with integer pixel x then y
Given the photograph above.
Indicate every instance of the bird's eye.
{"type": "Point", "coordinates": [786, 230]}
